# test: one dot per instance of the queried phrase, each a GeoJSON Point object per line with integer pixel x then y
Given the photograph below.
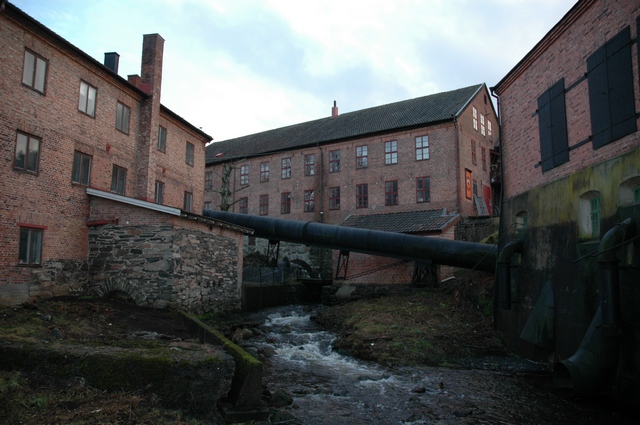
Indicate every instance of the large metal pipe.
{"type": "Point", "coordinates": [589, 369]}
{"type": "Point", "coordinates": [447, 252]}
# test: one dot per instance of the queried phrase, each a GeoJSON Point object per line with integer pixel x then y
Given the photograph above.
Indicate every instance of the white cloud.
{"type": "Point", "coordinates": [237, 67]}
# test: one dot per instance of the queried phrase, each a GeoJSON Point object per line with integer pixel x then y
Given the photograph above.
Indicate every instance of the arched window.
{"type": "Point", "coordinates": [589, 215]}
{"type": "Point", "coordinates": [629, 192]}
{"type": "Point", "coordinates": [522, 221]}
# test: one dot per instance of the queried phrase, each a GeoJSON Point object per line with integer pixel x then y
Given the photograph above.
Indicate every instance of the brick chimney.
{"type": "Point", "coordinates": [150, 82]}
{"type": "Point", "coordinates": [111, 61]}
{"type": "Point", "coordinates": [334, 110]}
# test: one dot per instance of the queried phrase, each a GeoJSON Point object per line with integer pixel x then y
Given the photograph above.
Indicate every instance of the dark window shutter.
{"type": "Point", "coordinates": [552, 123]}
{"type": "Point", "coordinates": [611, 100]}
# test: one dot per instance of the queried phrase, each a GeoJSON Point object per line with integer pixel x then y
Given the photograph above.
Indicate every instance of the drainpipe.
{"type": "Point", "coordinates": [587, 372]}
{"type": "Point", "coordinates": [503, 272]}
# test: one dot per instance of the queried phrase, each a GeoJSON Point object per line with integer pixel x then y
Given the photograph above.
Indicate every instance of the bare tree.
{"type": "Point", "coordinates": [226, 194]}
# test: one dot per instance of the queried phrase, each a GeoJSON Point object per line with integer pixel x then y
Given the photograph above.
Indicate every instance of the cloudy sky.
{"type": "Point", "coordinates": [236, 67]}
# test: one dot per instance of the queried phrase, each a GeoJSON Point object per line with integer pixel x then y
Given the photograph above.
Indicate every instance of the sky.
{"type": "Point", "coordinates": [238, 67]}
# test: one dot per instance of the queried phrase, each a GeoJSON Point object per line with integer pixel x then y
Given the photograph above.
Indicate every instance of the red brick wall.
{"type": "Point", "coordinates": [564, 56]}
{"type": "Point", "coordinates": [449, 155]}
{"type": "Point", "coordinates": [49, 198]}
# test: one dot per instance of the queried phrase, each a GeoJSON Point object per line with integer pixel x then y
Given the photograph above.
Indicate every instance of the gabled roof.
{"type": "Point", "coordinates": [421, 111]}
{"type": "Point", "coordinates": [428, 221]}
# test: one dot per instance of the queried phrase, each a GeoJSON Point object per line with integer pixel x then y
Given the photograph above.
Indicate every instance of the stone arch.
{"type": "Point", "coordinates": [113, 285]}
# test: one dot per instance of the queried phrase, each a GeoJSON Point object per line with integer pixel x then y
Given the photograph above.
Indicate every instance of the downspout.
{"type": "Point", "coordinates": [587, 372]}
{"type": "Point", "coordinates": [459, 178]}
{"type": "Point", "coordinates": [503, 272]}
{"type": "Point", "coordinates": [501, 231]}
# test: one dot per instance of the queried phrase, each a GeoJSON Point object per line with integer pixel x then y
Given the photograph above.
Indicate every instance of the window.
{"type": "Point", "coordinates": [87, 101]}
{"type": "Point", "coordinates": [483, 150]}
{"type": "Point", "coordinates": [34, 72]}
{"type": "Point", "coordinates": [475, 117]}
{"type": "Point", "coordinates": [474, 159]}
{"type": "Point", "coordinates": [264, 172]}
{"type": "Point", "coordinates": [123, 114]}
{"type": "Point", "coordinates": [423, 189]}
{"type": "Point", "coordinates": [522, 221]}
{"type": "Point", "coordinates": [208, 180]}
{"type": "Point", "coordinates": [489, 131]}
{"type": "Point", "coordinates": [30, 250]}
{"type": "Point", "coordinates": [285, 203]}
{"type": "Point", "coordinates": [422, 148]}
{"type": "Point", "coordinates": [362, 157]}
{"type": "Point", "coordinates": [308, 201]}
{"type": "Point", "coordinates": [475, 187]}
{"type": "Point", "coordinates": [264, 205]}
{"type": "Point", "coordinates": [81, 168]}
{"type": "Point", "coordinates": [162, 139]}
{"type": "Point", "coordinates": [391, 152]}
{"type": "Point", "coordinates": [188, 202]}
{"type": "Point", "coordinates": [244, 175]}
{"type": "Point", "coordinates": [482, 126]}
{"type": "Point", "coordinates": [467, 184]}
{"type": "Point", "coordinates": [391, 192]}
{"type": "Point", "coordinates": [309, 165]}
{"type": "Point", "coordinates": [629, 191]}
{"type": "Point", "coordinates": [118, 180]}
{"type": "Point", "coordinates": [552, 124]}
{"type": "Point", "coordinates": [334, 161]}
{"type": "Point", "coordinates": [190, 154]}
{"type": "Point", "coordinates": [286, 168]}
{"type": "Point", "coordinates": [27, 153]}
{"type": "Point", "coordinates": [595, 217]}
{"type": "Point", "coordinates": [243, 205]}
{"type": "Point", "coordinates": [362, 195]}
{"type": "Point", "coordinates": [159, 198]}
{"type": "Point", "coordinates": [334, 198]}
{"type": "Point", "coordinates": [611, 93]}
{"type": "Point", "coordinates": [207, 205]}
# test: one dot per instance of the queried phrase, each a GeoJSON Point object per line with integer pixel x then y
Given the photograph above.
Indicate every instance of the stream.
{"type": "Point", "coordinates": [328, 388]}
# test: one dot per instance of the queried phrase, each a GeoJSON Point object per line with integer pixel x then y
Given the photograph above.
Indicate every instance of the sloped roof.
{"type": "Point", "coordinates": [426, 110]}
{"type": "Point", "coordinates": [404, 222]}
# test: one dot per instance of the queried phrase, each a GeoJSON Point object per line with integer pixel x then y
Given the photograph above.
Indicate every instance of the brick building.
{"type": "Point", "coordinates": [567, 273]}
{"type": "Point", "coordinates": [71, 126]}
{"type": "Point", "coordinates": [429, 153]}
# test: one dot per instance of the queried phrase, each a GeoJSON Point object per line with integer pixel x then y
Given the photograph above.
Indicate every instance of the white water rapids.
{"type": "Point", "coordinates": [331, 389]}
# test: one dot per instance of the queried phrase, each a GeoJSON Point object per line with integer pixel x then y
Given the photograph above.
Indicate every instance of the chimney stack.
{"type": "Point", "coordinates": [334, 110]}
{"type": "Point", "coordinates": [111, 61]}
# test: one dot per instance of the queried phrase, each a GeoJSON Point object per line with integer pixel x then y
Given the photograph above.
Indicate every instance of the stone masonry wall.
{"type": "Point", "coordinates": [165, 266]}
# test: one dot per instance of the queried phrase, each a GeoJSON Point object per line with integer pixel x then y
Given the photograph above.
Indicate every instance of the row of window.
{"type": "Point", "coordinates": [362, 161]}
{"type": "Point", "coordinates": [27, 156]}
{"type": "Point", "coordinates": [485, 130]}
{"type": "Point", "coordinates": [589, 209]}
{"type": "Point", "coordinates": [391, 197]}
{"type": "Point", "coordinates": [34, 76]}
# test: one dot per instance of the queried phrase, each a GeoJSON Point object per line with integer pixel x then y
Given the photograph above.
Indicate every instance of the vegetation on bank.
{"type": "Point", "coordinates": [437, 326]}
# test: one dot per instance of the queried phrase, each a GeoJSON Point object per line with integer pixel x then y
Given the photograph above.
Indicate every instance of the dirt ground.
{"type": "Point", "coordinates": [446, 325]}
{"type": "Point", "coordinates": [29, 398]}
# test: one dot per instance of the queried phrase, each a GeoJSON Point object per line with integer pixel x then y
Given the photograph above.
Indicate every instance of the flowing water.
{"type": "Point", "coordinates": [332, 389]}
